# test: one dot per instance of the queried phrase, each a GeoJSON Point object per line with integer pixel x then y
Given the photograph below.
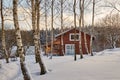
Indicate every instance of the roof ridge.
{"type": "Point", "coordinates": [64, 32]}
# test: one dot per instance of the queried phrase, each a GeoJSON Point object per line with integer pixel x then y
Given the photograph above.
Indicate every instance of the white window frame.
{"type": "Point", "coordinates": [74, 34]}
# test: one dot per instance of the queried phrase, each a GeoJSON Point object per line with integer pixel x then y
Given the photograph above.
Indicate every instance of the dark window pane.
{"type": "Point", "coordinates": [74, 37]}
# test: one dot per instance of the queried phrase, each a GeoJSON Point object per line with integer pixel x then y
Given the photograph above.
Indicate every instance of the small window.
{"type": "Point", "coordinates": [74, 36]}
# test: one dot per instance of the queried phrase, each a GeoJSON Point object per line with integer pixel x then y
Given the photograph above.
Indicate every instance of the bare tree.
{"type": "Point", "coordinates": [3, 35]}
{"type": "Point", "coordinates": [82, 15]}
{"type": "Point", "coordinates": [80, 21]}
{"type": "Point", "coordinates": [52, 34]}
{"type": "Point", "coordinates": [113, 4]}
{"type": "Point", "coordinates": [74, 9]}
{"type": "Point", "coordinates": [20, 49]}
{"type": "Point", "coordinates": [92, 29]}
{"type": "Point", "coordinates": [46, 26]}
{"type": "Point", "coordinates": [35, 23]}
{"type": "Point", "coordinates": [62, 46]}
{"type": "Point", "coordinates": [34, 27]}
{"type": "Point", "coordinates": [111, 23]}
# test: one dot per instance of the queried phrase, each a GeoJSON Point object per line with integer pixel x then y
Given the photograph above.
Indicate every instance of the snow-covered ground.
{"type": "Point", "coordinates": [105, 65]}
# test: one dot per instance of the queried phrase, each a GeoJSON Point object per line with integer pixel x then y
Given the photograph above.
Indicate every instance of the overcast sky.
{"type": "Point", "coordinates": [24, 13]}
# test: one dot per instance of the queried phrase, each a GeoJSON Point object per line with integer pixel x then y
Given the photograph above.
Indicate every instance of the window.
{"type": "Point", "coordinates": [74, 36]}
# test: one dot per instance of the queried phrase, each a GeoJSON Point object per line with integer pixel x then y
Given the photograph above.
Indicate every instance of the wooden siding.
{"type": "Point", "coordinates": [66, 40]}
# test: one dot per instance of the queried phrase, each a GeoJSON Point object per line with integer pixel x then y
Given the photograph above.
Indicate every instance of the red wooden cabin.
{"type": "Point", "coordinates": [70, 46]}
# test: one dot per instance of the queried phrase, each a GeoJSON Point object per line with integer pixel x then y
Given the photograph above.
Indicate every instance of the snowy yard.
{"type": "Point", "coordinates": [104, 65]}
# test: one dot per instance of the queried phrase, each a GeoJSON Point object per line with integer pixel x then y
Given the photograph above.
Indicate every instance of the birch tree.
{"type": "Point", "coordinates": [111, 28]}
{"type": "Point", "coordinates": [46, 26]}
{"type": "Point", "coordinates": [20, 49]}
{"type": "Point", "coordinates": [52, 34]}
{"type": "Point", "coordinates": [113, 4]}
{"type": "Point", "coordinates": [80, 21]}
{"type": "Point", "coordinates": [74, 9]}
{"type": "Point", "coordinates": [3, 34]}
{"type": "Point", "coordinates": [36, 34]}
{"type": "Point", "coordinates": [82, 15]}
{"type": "Point", "coordinates": [34, 27]}
{"type": "Point", "coordinates": [62, 46]}
{"type": "Point", "coordinates": [92, 29]}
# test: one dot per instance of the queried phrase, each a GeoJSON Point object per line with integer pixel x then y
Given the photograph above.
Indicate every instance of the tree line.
{"type": "Point", "coordinates": [104, 36]}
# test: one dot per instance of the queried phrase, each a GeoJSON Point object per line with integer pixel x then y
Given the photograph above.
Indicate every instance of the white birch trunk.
{"type": "Point", "coordinates": [92, 29]}
{"type": "Point", "coordinates": [62, 46]}
{"type": "Point", "coordinates": [80, 41]}
{"type": "Point", "coordinates": [46, 27]}
{"type": "Point", "coordinates": [114, 44]}
{"type": "Point", "coordinates": [3, 35]}
{"type": "Point", "coordinates": [86, 44]}
{"type": "Point", "coordinates": [42, 66]}
{"type": "Point", "coordinates": [52, 34]}
{"type": "Point", "coordinates": [36, 34]}
{"type": "Point", "coordinates": [20, 49]}
{"type": "Point", "coordinates": [34, 27]}
{"type": "Point", "coordinates": [85, 40]}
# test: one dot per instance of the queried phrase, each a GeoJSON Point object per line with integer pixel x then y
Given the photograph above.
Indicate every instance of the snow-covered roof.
{"type": "Point", "coordinates": [64, 32]}
{"type": "Point", "coordinates": [68, 31]}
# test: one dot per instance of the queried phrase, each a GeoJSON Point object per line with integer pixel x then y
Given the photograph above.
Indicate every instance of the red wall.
{"type": "Point", "coordinates": [67, 41]}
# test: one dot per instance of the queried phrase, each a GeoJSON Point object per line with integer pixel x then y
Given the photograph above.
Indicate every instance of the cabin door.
{"type": "Point", "coordinates": [69, 49]}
